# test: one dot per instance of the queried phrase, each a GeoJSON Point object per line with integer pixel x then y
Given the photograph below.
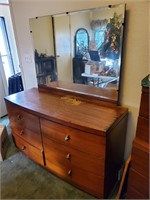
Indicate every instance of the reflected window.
{"type": "Point", "coordinates": [99, 37]}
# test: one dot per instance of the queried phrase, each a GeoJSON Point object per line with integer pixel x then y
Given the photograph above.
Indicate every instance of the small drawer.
{"type": "Point", "coordinates": [143, 129]}
{"type": "Point", "coordinates": [29, 136]}
{"type": "Point", "coordinates": [64, 156]}
{"type": "Point", "coordinates": [32, 152]}
{"type": "Point", "coordinates": [83, 141]}
{"type": "Point", "coordinates": [87, 181]}
{"type": "Point", "coordinates": [23, 120]}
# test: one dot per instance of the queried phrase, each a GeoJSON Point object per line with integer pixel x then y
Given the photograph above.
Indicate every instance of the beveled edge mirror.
{"type": "Point", "coordinates": [100, 62]}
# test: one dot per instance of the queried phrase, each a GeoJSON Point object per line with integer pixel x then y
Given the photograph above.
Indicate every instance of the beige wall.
{"type": "Point", "coordinates": [135, 49]}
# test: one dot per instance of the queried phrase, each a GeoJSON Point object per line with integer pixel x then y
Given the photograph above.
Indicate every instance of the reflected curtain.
{"type": "Point", "coordinates": [98, 24]}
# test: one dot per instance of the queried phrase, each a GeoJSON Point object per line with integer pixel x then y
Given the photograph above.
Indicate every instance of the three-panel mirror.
{"type": "Point", "coordinates": [82, 47]}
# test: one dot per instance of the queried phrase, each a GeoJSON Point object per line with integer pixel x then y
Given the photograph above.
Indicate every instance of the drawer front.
{"type": "Point", "coordinates": [138, 183]}
{"type": "Point", "coordinates": [84, 180]}
{"type": "Point", "coordinates": [132, 193]}
{"type": "Point", "coordinates": [144, 107]}
{"type": "Point", "coordinates": [143, 129]}
{"type": "Point", "coordinates": [64, 156]}
{"type": "Point", "coordinates": [77, 139]}
{"type": "Point", "coordinates": [23, 120]}
{"type": "Point", "coordinates": [140, 161]}
{"type": "Point", "coordinates": [32, 152]}
{"type": "Point", "coordinates": [28, 135]}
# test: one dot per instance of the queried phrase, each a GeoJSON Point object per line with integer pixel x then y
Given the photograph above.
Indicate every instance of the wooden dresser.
{"type": "Point", "coordinates": [77, 137]}
{"type": "Point", "coordinates": [138, 182]}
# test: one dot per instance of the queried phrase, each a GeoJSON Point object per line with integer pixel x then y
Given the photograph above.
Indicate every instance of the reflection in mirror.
{"type": "Point", "coordinates": [85, 46]}
{"type": "Point", "coordinates": [81, 42]}
{"type": "Point", "coordinates": [45, 62]}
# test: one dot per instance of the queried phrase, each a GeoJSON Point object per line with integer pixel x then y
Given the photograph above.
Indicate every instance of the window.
{"type": "Point", "coordinates": [5, 51]}
{"type": "Point", "coordinates": [4, 1]}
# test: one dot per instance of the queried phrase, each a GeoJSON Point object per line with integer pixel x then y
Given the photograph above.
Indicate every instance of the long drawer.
{"type": "Point", "coordinates": [85, 142]}
{"type": "Point", "coordinates": [31, 151]}
{"type": "Point", "coordinates": [59, 154]}
{"type": "Point", "coordinates": [87, 181]}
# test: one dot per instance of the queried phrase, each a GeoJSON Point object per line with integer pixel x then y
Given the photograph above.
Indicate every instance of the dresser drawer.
{"type": "Point", "coordinates": [24, 120]}
{"type": "Point", "coordinates": [144, 106]}
{"type": "Point", "coordinates": [140, 157]}
{"type": "Point", "coordinates": [64, 156]}
{"type": "Point", "coordinates": [138, 183]}
{"type": "Point", "coordinates": [28, 135]}
{"type": "Point", "coordinates": [32, 152]}
{"type": "Point", "coordinates": [87, 181]}
{"type": "Point", "coordinates": [143, 129]}
{"type": "Point", "coordinates": [85, 142]}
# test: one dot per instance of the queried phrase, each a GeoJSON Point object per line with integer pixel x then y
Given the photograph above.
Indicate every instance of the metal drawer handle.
{"type": "Point", "coordinates": [18, 117]}
{"type": "Point", "coordinates": [21, 132]}
{"type": "Point", "coordinates": [67, 138]}
{"type": "Point", "coordinates": [23, 147]}
{"type": "Point", "coordinates": [69, 173]}
{"type": "Point", "coordinates": [68, 156]}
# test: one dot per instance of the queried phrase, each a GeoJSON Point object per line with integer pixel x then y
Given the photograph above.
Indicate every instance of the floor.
{"type": "Point", "coordinates": [21, 178]}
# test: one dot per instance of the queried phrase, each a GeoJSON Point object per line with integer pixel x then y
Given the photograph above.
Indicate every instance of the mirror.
{"type": "Point", "coordinates": [82, 47]}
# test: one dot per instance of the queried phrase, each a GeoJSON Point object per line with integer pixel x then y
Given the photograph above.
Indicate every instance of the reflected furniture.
{"type": "Point", "coordinates": [99, 81]}
{"type": "Point", "coordinates": [45, 69]}
{"type": "Point", "coordinates": [78, 69]}
{"type": "Point", "coordinates": [77, 136]}
{"type": "Point", "coordinates": [138, 182]}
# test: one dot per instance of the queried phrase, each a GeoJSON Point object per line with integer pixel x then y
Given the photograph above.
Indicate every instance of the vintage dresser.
{"type": "Point", "coordinates": [138, 182]}
{"type": "Point", "coordinates": [76, 136]}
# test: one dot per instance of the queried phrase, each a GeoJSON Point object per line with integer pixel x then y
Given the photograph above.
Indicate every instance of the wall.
{"type": "Point", "coordinates": [135, 50]}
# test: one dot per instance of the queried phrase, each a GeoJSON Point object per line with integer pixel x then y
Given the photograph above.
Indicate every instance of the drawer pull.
{"type": "Point", "coordinates": [23, 147]}
{"type": "Point", "coordinates": [68, 156]}
{"type": "Point", "coordinates": [69, 173]}
{"type": "Point", "coordinates": [21, 132]}
{"type": "Point", "coordinates": [18, 117]}
{"type": "Point", "coordinates": [67, 138]}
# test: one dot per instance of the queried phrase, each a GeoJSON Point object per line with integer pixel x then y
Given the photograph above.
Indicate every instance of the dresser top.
{"type": "Point", "coordinates": [69, 111]}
